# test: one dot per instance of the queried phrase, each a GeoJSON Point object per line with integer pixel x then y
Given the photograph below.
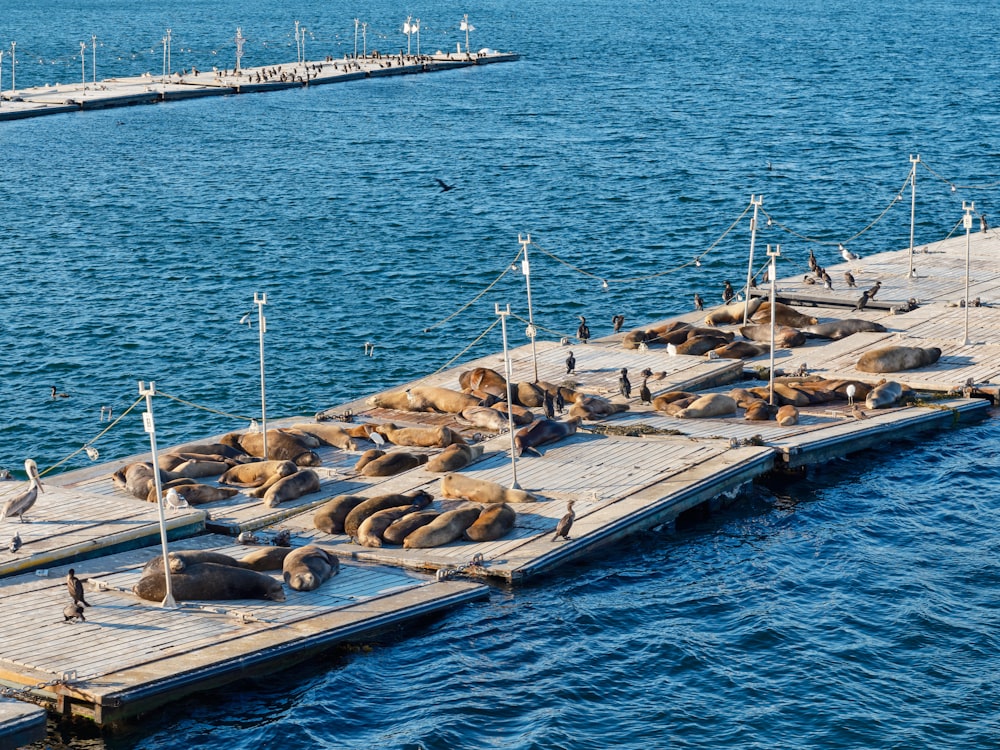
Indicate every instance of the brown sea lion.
{"type": "Point", "coordinates": [700, 345]}
{"type": "Point", "coordinates": [759, 411]}
{"type": "Point", "coordinates": [454, 457]}
{"type": "Point", "coordinates": [265, 558]}
{"type": "Point", "coordinates": [633, 339]}
{"type": "Point", "coordinates": [371, 530]}
{"type": "Point", "coordinates": [328, 434]}
{"type": "Point", "coordinates": [733, 313]}
{"type": "Point", "coordinates": [741, 350]}
{"type": "Point", "coordinates": [214, 449]}
{"type": "Point", "coordinates": [210, 582]}
{"type": "Point", "coordinates": [520, 414]}
{"type": "Point", "coordinates": [193, 465]}
{"type": "Point", "coordinates": [444, 529]}
{"type": "Point", "coordinates": [494, 522]}
{"type": "Point", "coordinates": [709, 405]}
{"type": "Point", "coordinates": [292, 487]}
{"type": "Point", "coordinates": [897, 358]}
{"type": "Point", "coordinates": [281, 445]}
{"type": "Point", "coordinates": [483, 379]}
{"type": "Point", "coordinates": [455, 484]}
{"type": "Point", "coordinates": [397, 400]}
{"type": "Point", "coordinates": [485, 417]}
{"type": "Point", "coordinates": [783, 315]}
{"type": "Point", "coordinates": [595, 407]}
{"type": "Point", "coordinates": [392, 463]}
{"type": "Point", "coordinates": [257, 473]}
{"type": "Point", "coordinates": [307, 568]}
{"type": "Point", "coordinates": [194, 493]}
{"type": "Point", "coordinates": [401, 528]}
{"type": "Point", "coordinates": [528, 394]}
{"type": "Point", "coordinates": [887, 394]}
{"type": "Point", "coordinates": [695, 332]}
{"type": "Point", "coordinates": [179, 560]}
{"type": "Point", "coordinates": [785, 337]}
{"type": "Point", "coordinates": [839, 329]}
{"type": "Point", "coordinates": [433, 398]}
{"type": "Point", "coordinates": [661, 402]}
{"type": "Point", "coordinates": [360, 512]}
{"type": "Point", "coordinates": [420, 437]}
{"type": "Point", "coordinates": [743, 397]}
{"type": "Point", "coordinates": [367, 457]}
{"type": "Point", "coordinates": [544, 431]}
{"type": "Point", "coordinates": [331, 515]}
{"type": "Point", "coordinates": [674, 407]}
{"type": "Point", "coordinates": [787, 415]}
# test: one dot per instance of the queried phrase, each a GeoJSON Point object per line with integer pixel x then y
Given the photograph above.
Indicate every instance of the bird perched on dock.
{"type": "Point", "coordinates": [849, 278]}
{"type": "Point", "coordinates": [813, 265]}
{"type": "Point", "coordinates": [699, 303]}
{"type": "Point", "coordinates": [75, 587]}
{"type": "Point", "coordinates": [570, 364]}
{"type": "Point", "coordinates": [618, 321]}
{"type": "Point", "coordinates": [807, 279]}
{"type": "Point", "coordinates": [671, 349]}
{"type": "Point", "coordinates": [445, 187]}
{"type": "Point", "coordinates": [174, 501]}
{"type": "Point", "coordinates": [857, 413]}
{"type": "Point", "coordinates": [644, 395]}
{"type": "Point", "coordinates": [827, 281]}
{"type": "Point", "coordinates": [624, 386]}
{"type": "Point", "coordinates": [73, 612]}
{"type": "Point", "coordinates": [560, 402]}
{"type": "Point", "coordinates": [850, 391]}
{"type": "Point", "coordinates": [21, 503]}
{"type": "Point", "coordinates": [646, 373]}
{"type": "Point", "coordinates": [865, 296]}
{"type": "Point", "coordinates": [56, 394]}
{"type": "Point", "coordinates": [874, 290]}
{"type": "Point", "coordinates": [549, 405]}
{"type": "Point", "coordinates": [15, 542]}
{"type": "Point", "coordinates": [583, 330]}
{"type": "Point", "coordinates": [728, 293]}
{"type": "Point", "coordinates": [566, 522]}
{"type": "Point", "coordinates": [847, 255]}
{"type": "Point", "coordinates": [247, 537]}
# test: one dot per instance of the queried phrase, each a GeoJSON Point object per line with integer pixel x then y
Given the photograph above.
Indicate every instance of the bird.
{"type": "Point", "coordinates": [874, 290]}
{"type": "Point", "coordinates": [56, 394]}
{"type": "Point", "coordinates": [618, 321]}
{"type": "Point", "coordinates": [827, 281]}
{"type": "Point", "coordinates": [671, 349]}
{"type": "Point", "coordinates": [624, 386]}
{"type": "Point", "coordinates": [247, 537]}
{"type": "Point", "coordinates": [849, 278]}
{"type": "Point", "coordinates": [850, 391]}
{"type": "Point", "coordinates": [646, 373]}
{"type": "Point", "coordinates": [728, 293]}
{"type": "Point", "coordinates": [175, 501]}
{"type": "Point", "coordinates": [560, 402]}
{"type": "Point", "coordinates": [570, 364]}
{"type": "Point", "coordinates": [566, 522]}
{"type": "Point", "coordinates": [73, 611]}
{"type": "Point", "coordinates": [15, 542]}
{"type": "Point", "coordinates": [644, 395]}
{"type": "Point", "coordinates": [847, 255]}
{"type": "Point", "coordinates": [865, 296]}
{"type": "Point", "coordinates": [807, 279]}
{"type": "Point", "coordinates": [857, 413]}
{"type": "Point", "coordinates": [377, 438]}
{"type": "Point", "coordinates": [22, 502]}
{"type": "Point", "coordinates": [75, 587]}
{"type": "Point", "coordinates": [583, 331]}
{"type": "Point", "coordinates": [699, 303]}
{"type": "Point", "coordinates": [813, 265]}
{"type": "Point", "coordinates": [445, 187]}
{"type": "Point", "coordinates": [245, 320]}
{"type": "Point", "coordinates": [282, 539]}
{"type": "Point", "coordinates": [549, 405]}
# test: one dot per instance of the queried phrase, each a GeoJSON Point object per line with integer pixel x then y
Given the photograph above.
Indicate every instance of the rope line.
{"type": "Point", "coordinates": [205, 408]}
{"type": "Point", "coordinates": [542, 328]}
{"type": "Point", "coordinates": [479, 338]}
{"type": "Point", "coordinates": [95, 439]}
{"type": "Point", "coordinates": [479, 296]}
{"type": "Point", "coordinates": [955, 185]}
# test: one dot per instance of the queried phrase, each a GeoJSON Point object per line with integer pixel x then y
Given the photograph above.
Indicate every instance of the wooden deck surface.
{"type": "Point", "coordinates": [20, 724]}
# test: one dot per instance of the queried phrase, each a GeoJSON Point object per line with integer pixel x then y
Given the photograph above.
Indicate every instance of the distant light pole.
{"type": "Point", "coordinates": [83, 65]}
{"type": "Point", "coordinates": [526, 270]}
{"type": "Point", "coordinates": [773, 255]}
{"type": "Point", "coordinates": [969, 208]}
{"type": "Point", "coordinates": [364, 40]}
{"type": "Point", "coordinates": [407, 29]}
{"type": "Point", "coordinates": [416, 28]}
{"type": "Point", "coordinates": [756, 203]}
{"type": "Point", "coordinates": [13, 67]}
{"type": "Point", "coordinates": [298, 44]}
{"type": "Point", "coordinates": [163, 74]}
{"type": "Point", "coordinates": [170, 66]}
{"type": "Point", "coordinates": [466, 27]}
{"type": "Point", "coordinates": [93, 57]}
{"type": "Point", "coordinates": [260, 300]}
{"type": "Point", "coordinates": [913, 206]}
{"type": "Point", "coordinates": [507, 374]}
{"type": "Point", "coordinates": [150, 427]}
{"type": "Point", "coordinates": [355, 38]}
{"type": "Point", "coordinates": [1, 75]}
{"type": "Point", "coordinates": [303, 45]}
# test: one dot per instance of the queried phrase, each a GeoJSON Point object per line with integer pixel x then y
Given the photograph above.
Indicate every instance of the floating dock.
{"type": "Point", "coordinates": [20, 724]}
{"type": "Point", "coordinates": [147, 89]}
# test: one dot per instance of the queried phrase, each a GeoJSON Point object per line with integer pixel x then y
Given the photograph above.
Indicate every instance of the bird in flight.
{"type": "Point", "coordinates": [444, 185]}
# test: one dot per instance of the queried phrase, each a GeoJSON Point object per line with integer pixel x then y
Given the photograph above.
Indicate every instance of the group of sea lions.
{"type": "Point", "coordinates": [206, 575]}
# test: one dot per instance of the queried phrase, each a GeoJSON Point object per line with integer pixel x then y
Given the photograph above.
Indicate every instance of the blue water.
{"type": "Point", "coordinates": [854, 608]}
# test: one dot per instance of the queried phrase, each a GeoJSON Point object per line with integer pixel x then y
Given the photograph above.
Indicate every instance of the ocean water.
{"type": "Point", "coordinates": [852, 608]}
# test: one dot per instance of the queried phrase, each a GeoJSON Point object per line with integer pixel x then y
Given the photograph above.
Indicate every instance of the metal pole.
{"type": "Point", "coordinates": [83, 65]}
{"type": "Point", "coordinates": [298, 45]}
{"type": "Point", "coordinates": [93, 57]}
{"type": "Point", "coordinates": [507, 373]}
{"type": "Point", "coordinates": [418, 37]}
{"type": "Point", "coordinates": [531, 331]}
{"type": "Point", "coordinates": [913, 206]}
{"type": "Point", "coordinates": [364, 40]}
{"type": "Point", "coordinates": [774, 275]}
{"type": "Point", "coordinates": [756, 203]}
{"type": "Point", "coordinates": [170, 67]}
{"type": "Point", "coordinates": [1, 75]}
{"type": "Point", "coordinates": [260, 301]}
{"type": "Point", "coordinates": [355, 38]}
{"type": "Point", "coordinates": [240, 39]}
{"type": "Point", "coordinates": [408, 29]}
{"type": "Point", "coordinates": [13, 67]}
{"type": "Point", "coordinates": [150, 427]}
{"type": "Point", "coordinates": [969, 208]}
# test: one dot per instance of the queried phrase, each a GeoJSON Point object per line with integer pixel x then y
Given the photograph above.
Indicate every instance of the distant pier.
{"type": "Point", "coordinates": [148, 89]}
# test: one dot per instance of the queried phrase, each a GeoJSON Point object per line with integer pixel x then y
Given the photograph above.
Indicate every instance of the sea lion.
{"type": "Point", "coordinates": [360, 512]}
{"type": "Point", "coordinates": [192, 465]}
{"type": "Point", "coordinates": [137, 479]}
{"type": "Point", "coordinates": [783, 315]}
{"type": "Point", "coordinates": [265, 558]}
{"type": "Point", "coordinates": [444, 529]}
{"type": "Point", "coordinates": [401, 528]}
{"type": "Point", "coordinates": [528, 394]}
{"type": "Point", "coordinates": [330, 517]}
{"type": "Point", "coordinates": [194, 493]}
{"type": "Point", "coordinates": [885, 394]}
{"type": "Point", "coordinates": [733, 313]}
{"type": "Point", "coordinates": [759, 411]}
{"type": "Point", "coordinates": [486, 418]}
{"type": "Point", "coordinates": [371, 530]}
{"type": "Point", "coordinates": [397, 400]}
{"type": "Point", "coordinates": [633, 339]}
{"type": "Point", "coordinates": [660, 402]}
{"type": "Point", "coordinates": [392, 463]}
{"type": "Point", "coordinates": [709, 405]}
{"type": "Point", "coordinates": [672, 409]}
{"type": "Point", "coordinates": [455, 484]}
{"type": "Point", "coordinates": [367, 457]}
{"type": "Point", "coordinates": [180, 560]}
{"type": "Point", "coordinates": [483, 379]}
{"type": "Point", "coordinates": [700, 345]}
{"type": "Point", "coordinates": [520, 414]}
{"type": "Point", "coordinates": [544, 431]}
{"type": "Point", "coordinates": [595, 407]}
{"type": "Point", "coordinates": [494, 522]}
{"type": "Point", "coordinates": [740, 350]}
{"type": "Point", "coordinates": [307, 568]}
{"type": "Point", "coordinates": [896, 358]}
{"type": "Point", "coordinates": [787, 415]}
{"type": "Point", "coordinates": [215, 449]}
{"type": "Point", "coordinates": [281, 445]}
{"type": "Point", "coordinates": [744, 398]}
{"type": "Point", "coordinates": [785, 337]}
{"type": "Point", "coordinates": [839, 329]}
{"type": "Point", "coordinates": [420, 437]}
{"type": "Point", "coordinates": [433, 398]}
{"type": "Point", "coordinates": [454, 457]}
{"type": "Point", "coordinates": [328, 434]}
{"type": "Point", "coordinates": [257, 473]}
{"type": "Point", "coordinates": [292, 487]}
{"type": "Point", "coordinates": [210, 581]}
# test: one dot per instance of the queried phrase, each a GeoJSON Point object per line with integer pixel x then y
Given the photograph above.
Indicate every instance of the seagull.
{"type": "Point", "coordinates": [847, 255]}
{"type": "Point", "coordinates": [850, 390]}
{"type": "Point", "coordinates": [566, 522]}
{"type": "Point", "coordinates": [445, 187]}
{"type": "Point", "coordinates": [22, 502]}
{"type": "Point", "coordinates": [15, 542]}
{"type": "Point", "coordinates": [377, 438]}
{"type": "Point", "coordinates": [246, 320]}
{"type": "Point", "coordinates": [75, 587]}
{"type": "Point", "coordinates": [671, 349]}
{"type": "Point", "coordinates": [175, 501]}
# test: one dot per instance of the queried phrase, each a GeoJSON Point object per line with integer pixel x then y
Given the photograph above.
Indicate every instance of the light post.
{"type": "Point", "coordinates": [969, 208]}
{"type": "Point", "coordinates": [260, 300]}
{"type": "Point", "coordinates": [913, 206]}
{"type": "Point", "coordinates": [756, 203]}
{"type": "Point", "coordinates": [466, 27]}
{"type": "Point", "coordinates": [163, 74]}
{"type": "Point", "coordinates": [1, 75]}
{"type": "Point", "coordinates": [240, 39]}
{"type": "Point", "coordinates": [416, 28]}
{"type": "Point", "coordinates": [355, 38]}
{"type": "Point", "coordinates": [93, 57]}
{"type": "Point", "coordinates": [13, 67]}
{"type": "Point", "coordinates": [303, 45]}
{"type": "Point", "coordinates": [507, 374]}
{"type": "Point", "coordinates": [407, 29]}
{"type": "Point", "coordinates": [531, 331]}
{"type": "Point", "coordinates": [150, 427]}
{"type": "Point", "coordinates": [83, 65]}
{"type": "Point", "coordinates": [773, 255]}
{"type": "Point", "coordinates": [364, 40]}
{"type": "Point", "coordinates": [298, 44]}
{"type": "Point", "coordinates": [170, 66]}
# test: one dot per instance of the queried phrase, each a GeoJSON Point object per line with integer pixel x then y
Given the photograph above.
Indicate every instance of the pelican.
{"type": "Point", "coordinates": [22, 502]}
{"type": "Point", "coordinates": [566, 522]}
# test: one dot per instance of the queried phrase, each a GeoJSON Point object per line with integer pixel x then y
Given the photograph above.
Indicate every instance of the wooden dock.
{"type": "Point", "coordinates": [20, 724]}
{"type": "Point", "coordinates": [132, 655]}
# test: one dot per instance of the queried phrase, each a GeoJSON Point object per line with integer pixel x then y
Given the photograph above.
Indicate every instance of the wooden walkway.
{"type": "Point", "coordinates": [132, 655]}
{"type": "Point", "coordinates": [20, 724]}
